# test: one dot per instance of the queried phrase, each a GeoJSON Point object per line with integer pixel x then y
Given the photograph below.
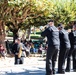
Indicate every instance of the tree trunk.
{"type": "Point", "coordinates": [34, 30]}
{"type": "Point", "coordinates": [15, 35]}
{"type": "Point", "coordinates": [2, 33]}
{"type": "Point", "coordinates": [28, 34]}
{"type": "Point", "coordinates": [24, 36]}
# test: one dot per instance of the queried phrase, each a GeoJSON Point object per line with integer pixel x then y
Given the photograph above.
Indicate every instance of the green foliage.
{"type": "Point", "coordinates": [38, 32]}
{"type": "Point", "coordinates": [26, 13]}
{"type": "Point", "coordinates": [64, 11]}
{"type": "Point", "coordinates": [36, 37]}
{"type": "Point", "coordinates": [10, 34]}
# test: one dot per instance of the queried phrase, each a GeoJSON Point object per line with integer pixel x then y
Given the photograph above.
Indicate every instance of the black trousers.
{"type": "Point", "coordinates": [51, 60]}
{"type": "Point", "coordinates": [61, 60]}
{"type": "Point", "coordinates": [19, 60]}
{"type": "Point", "coordinates": [72, 52]}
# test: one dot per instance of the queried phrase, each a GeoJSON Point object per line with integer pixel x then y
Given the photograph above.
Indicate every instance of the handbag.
{"type": "Point", "coordinates": [20, 52]}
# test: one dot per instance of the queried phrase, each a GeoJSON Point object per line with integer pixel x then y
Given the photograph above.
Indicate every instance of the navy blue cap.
{"type": "Point", "coordinates": [60, 25]}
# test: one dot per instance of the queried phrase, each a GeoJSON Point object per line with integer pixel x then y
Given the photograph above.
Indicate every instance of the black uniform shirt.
{"type": "Point", "coordinates": [52, 34]}
{"type": "Point", "coordinates": [64, 39]}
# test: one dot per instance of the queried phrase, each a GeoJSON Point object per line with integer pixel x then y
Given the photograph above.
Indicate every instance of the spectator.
{"type": "Point", "coordinates": [8, 47]}
{"type": "Point", "coordinates": [41, 50]}
{"type": "Point", "coordinates": [28, 47]}
{"type": "Point", "coordinates": [32, 50]}
{"type": "Point", "coordinates": [2, 51]}
{"type": "Point", "coordinates": [19, 51]}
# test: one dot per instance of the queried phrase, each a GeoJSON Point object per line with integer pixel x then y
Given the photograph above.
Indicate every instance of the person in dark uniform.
{"type": "Point", "coordinates": [64, 48]}
{"type": "Point", "coordinates": [72, 52]}
{"type": "Point", "coordinates": [52, 34]}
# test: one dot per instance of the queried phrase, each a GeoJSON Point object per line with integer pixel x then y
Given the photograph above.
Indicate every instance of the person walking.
{"type": "Point", "coordinates": [72, 52]}
{"type": "Point", "coordinates": [52, 34]}
{"type": "Point", "coordinates": [64, 48]}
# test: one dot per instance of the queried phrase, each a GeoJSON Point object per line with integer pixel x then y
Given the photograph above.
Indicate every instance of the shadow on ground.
{"type": "Point", "coordinates": [39, 71]}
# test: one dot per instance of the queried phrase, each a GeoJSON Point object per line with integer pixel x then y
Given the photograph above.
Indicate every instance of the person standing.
{"type": "Point", "coordinates": [52, 34]}
{"type": "Point", "coordinates": [72, 52]}
{"type": "Point", "coordinates": [64, 48]}
{"type": "Point", "coordinates": [19, 50]}
{"type": "Point", "coordinates": [8, 46]}
{"type": "Point", "coordinates": [2, 51]}
{"type": "Point", "coordinates": [15, 51]}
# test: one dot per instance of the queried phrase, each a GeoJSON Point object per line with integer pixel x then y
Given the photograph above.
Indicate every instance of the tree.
{"type": "Point", "coordinates": [17, 14]}
{"type": "Point", "coordinates": [3, 15]}
{"type": "Point", "coordinates": [64, 11]}
{"type": "Point", "coordinates": [25, 13]}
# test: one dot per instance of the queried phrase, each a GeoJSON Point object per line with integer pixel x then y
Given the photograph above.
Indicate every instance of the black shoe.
{"type": "Point", "coordinates": [49, 73]}
{"type": "Point", "coordinates": [53, 72]}
{"type": "Point", "coordinates": [61, 72]}
{"type": "Point", "coordinates": [67, 70]}
{"type": "Point", "coordinates": [74, 70]}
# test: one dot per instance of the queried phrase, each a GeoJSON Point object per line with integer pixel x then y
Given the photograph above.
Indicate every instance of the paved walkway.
{"type": "Point", "coordinates": [32, 66]}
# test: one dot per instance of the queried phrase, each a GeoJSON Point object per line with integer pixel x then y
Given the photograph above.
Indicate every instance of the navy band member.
{"type": "Point", "coordinates": [72, 52]}
{"type": "Point", "coordinates": [52, 34]}
{"type": "Point", "coordinates": [64, 48]}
